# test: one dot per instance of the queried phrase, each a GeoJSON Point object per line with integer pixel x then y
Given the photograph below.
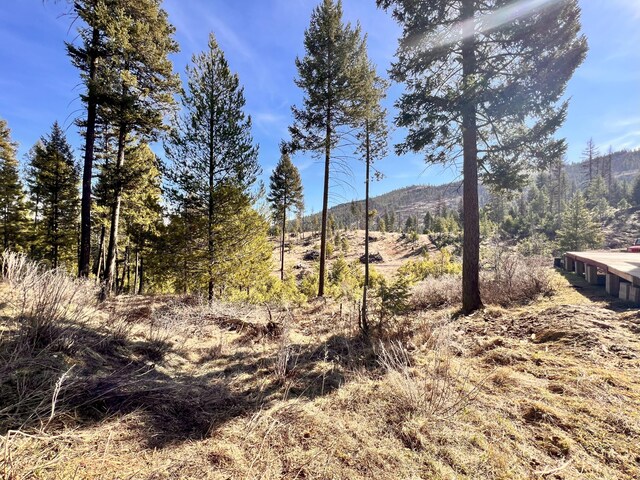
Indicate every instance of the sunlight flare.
{"type": "Point", "coordinates": [487, 22]}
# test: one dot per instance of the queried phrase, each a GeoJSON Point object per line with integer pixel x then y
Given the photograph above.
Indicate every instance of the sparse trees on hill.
{"type": "Point", "coordinates": [607, 170]}
{"type": "Point", "coordinates": [327, 77]}
{"type": "Point", "coordinates": [493, 89]}
{"type": "Point", "coordinates": [13, 211]}
{"type": "Point", "coordinates": [213, 164]}
{"type": "Point", "coordinates": [285, 193]}
{"type": "Point", "coordinates": [53, 179]}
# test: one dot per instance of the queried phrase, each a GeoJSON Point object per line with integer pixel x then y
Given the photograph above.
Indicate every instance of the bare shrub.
{"type": "Point", "coordinates": [50, 309]}
{"type": "Point", "coordinates": [437, 292]}
{"type": "Point", "coordinates": [517, 280]}
{"type": "Point", "coordinates": [440, 390]}
{"type": "Point", "coordinates": [512, 280]}
{"type": "Point", "coordinates": [51, 305]}
{"type": "Point", "coordinates": [287, 356]}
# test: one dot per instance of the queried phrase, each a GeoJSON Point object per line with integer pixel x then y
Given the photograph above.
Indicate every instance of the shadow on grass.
{"type": "Point", "coordinates": [115, 376]}
{"type": "Point", "coordinates": [596, 293]}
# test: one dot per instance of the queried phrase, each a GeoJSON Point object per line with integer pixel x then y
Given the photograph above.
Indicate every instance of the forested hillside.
{"type": "Point", "coordinates": [625, 166]}
{"type": "Point", "coordinates": [415, 201]}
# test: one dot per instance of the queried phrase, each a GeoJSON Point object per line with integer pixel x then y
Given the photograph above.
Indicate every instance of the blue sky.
{"type": "Point", "coordinates": [262, 38]}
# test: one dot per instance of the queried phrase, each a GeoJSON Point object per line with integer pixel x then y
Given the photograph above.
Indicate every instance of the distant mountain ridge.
{"type": "Point", "coordinates": [416, 200]}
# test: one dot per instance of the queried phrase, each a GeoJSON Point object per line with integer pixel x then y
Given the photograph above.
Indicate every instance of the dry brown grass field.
{"type": "Point", "coordinates": [173, 388]}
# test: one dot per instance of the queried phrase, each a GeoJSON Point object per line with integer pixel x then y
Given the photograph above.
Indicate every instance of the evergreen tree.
{"type": "Point", "coordinates": [247, 262]}
{"type": "Point", "coordinates": [558, 186]}
{"type": "Point", "coordinates": [356, 212]}
{"type": "Point", "coordinates": [596, 191]}
{"type": "Point", "coordinates": [492, 88]}
{"type": "Point", "coordinates": [428, 222]}
{"type": "Point", "coordinates": [141, 210]}
{"type": "Point", "coordinates": [213, 160]}
{"type": "Point", "coordinates": [372, 145]}
{"type": "Point", "coordinates": [141, 84]}
{"type": "Point", "coordinates": [327, 75]}
{"type": "Point", "coordinates": [53, 180]}
{"type": "Point", "coordinates": [285, 193]}
{"type": "Point", "coordinates": [382, 225]}
{"type": "Point", "coordinates": [13, 211]}
{"type": "Point", "coordinates": [635, 192]}
{"type": "Point", "coordinates": [95, 16]}
{"type": "Point", "coordinates": [579, 230]}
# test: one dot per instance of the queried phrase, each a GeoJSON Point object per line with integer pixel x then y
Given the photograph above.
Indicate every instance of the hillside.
{"type": "Point", "coordinates": [392, 247]}
{"type": "Point", "coordinates": [625, 166]}
{"type": "Point", "coordinates": [416, 200]}
{"type": "Point", "coordinates": [404, 202]}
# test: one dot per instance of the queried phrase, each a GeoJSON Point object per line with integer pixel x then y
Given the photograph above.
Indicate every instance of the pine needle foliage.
{"type": "Point", "coordinates": [13, 210]}
{"type": "Point", "coordinates": [53, 179]}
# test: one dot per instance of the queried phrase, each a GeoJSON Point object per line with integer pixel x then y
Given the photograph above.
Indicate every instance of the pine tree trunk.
{"type": "Point", "coordinates": [126, 271]}
{"type": "Point", "coordinates": [365, 321]}
{"type": "Point", "coordinates": [325, 195]}
{"type": "Point", "coordinates": [90, 136]}
{"type": "Point", "coordinates": [110, 267]}
{"type": "Point", "coordinates": [284, 228]}
{"type": "Point", "coordinates": [141, 288]}
{"type": "Point", "coordinates": [98, 265]}
{"type": "Point", "coordinates": [471, 220]}
{"type": "Point", "coordinates": [135, 274]}
{"type": "Point", "coordinates": [210, 244]}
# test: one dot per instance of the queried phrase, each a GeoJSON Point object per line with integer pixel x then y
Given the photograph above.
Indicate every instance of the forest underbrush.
{"type": "Point", "coordinates": [546, 386]}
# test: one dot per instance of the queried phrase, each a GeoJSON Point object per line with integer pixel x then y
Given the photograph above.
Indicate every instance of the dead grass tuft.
{"type": "Point", "coordinates": [439, 390]}
{"type": "Point", "coordinates": [539, 412]}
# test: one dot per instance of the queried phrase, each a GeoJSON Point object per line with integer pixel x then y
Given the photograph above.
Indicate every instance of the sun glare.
{"type": "Point", "coordinates": [491, 21]}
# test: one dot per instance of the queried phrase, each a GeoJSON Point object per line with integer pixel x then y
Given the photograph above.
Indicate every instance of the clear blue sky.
{"type": "Point", "coordinates": [262, 38]}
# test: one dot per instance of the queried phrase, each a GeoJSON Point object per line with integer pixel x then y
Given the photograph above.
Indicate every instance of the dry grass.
{"type": "Point", "coordinates": [546, 390]}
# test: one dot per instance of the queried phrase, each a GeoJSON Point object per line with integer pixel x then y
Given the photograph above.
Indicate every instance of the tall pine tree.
{"type": "Point", "coordinates": [372, 145]}
{"type": "Point", "coordinates": [285, 193]}
{"type": "Point", "coordinates": [96, 18]}
{"type": "Point", "coordinates": [488, 76]}
{"type": "Point", "coordinates": [327, 76]}
{"type": "Point", "coordinates": [214, 162]}
{"type": "Point", "coordinates": [141, 84]}
{"type": "Point", "coordinates": [13, 211]}
{"type": "Point", "coordinates": [53, 179]}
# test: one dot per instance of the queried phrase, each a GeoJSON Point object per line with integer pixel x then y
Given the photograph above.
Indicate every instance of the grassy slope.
{"type": "Point", "coordinates": [550, 390]}
{"type": "Point", "coordinates": [393, 249]}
